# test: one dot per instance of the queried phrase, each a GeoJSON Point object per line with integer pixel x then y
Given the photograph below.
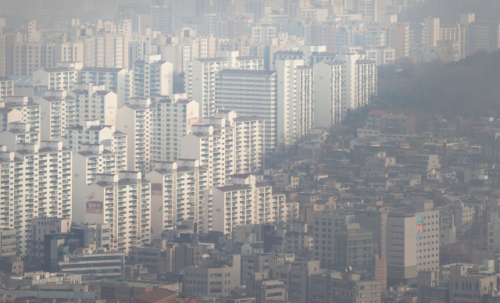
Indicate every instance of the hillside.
{"type": "Point", "coordinates": [449, 10]}
{"type": "Point", "coordinates": [467, 88]}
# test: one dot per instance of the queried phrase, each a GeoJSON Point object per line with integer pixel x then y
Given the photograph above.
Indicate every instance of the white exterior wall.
{"type": "Point", "coordinates": [153, 79]}
{"type": "Point", "coordinates": [30, 110]}
{"type": "Point", "coordinates": [295, 100]}
{"type": "Point", "coordinates": [200, 83]}
{"type": "Point", "coordinates": [329, 100]}
{"type": "Point", "coordinates": [55, 78]}
{"type": "Point", "coordinates": [250, 93]}
{"type": "Point", "coordinates": [137, 122]}
{"type": "Point", "coordinates": [177, 193]}
{"type": "Point", "coordinates": [116, 80]}
{"type": "Point", "coordinates": [94, 103]}
{"type": "Point", "coordinates": [44, 192]}
{"type": "Point", "coordinates": [123, 201]}
{"type": "Point", "coordinates": [57, 111]}
{"type": "Point", "coordinates": [174, 120]}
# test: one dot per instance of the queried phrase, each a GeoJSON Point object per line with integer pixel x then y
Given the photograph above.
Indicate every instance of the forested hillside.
{"type": "Point", "coordinates": [469, 87]}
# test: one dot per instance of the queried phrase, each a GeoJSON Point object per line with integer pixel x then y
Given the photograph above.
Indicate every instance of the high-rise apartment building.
{"type": "Point", "coordinates": [30, 111]}
{"type": "Point", "coordinates": [175, 119]}
{"type": "Point", "coordinates": [117, 80]}
{"type": "Point", "coordinates": [245, 202]}
{"type": "Point", "coordinates": [484, 36]}
{"type": "Point", "coordinates": [295, 100]}
{"type": "Point", "coordinates": [432, 31]}
{"type": "Point", "coordinates": [200, 83]}
{"type": "Point", "coordinates": [39, 185]}
{"type": "Point", "coordinates": [124, 201]}
{"type": "Point", "coordinates": [18, 132]}
{"type": "Point", "coordinates": [60, 78]}
{"type": "Point", "coordinates": [8, 115]}
{"type": "Point", "coordinates": [152, 79]}
{"type": "Point", "coordinates": [57, 112]}
{"type": "Point", "coordinates": [250, 92]}
{"type": "Point", "coordinates": [89, 161]}
{"type": "Point", "coordinates": [177, 193]}
{"type": "Point", "coordinates": [93, 133]}
{"type": "Point", "coordinates": [161, 19]}
{"type": "Point", "coordinates": [93, 102]}
{"type": "Point", "coordinates": [6, 87]}
{"type": "Point", "coordinates": [226, 145]}
{"type": "Point", "coordinates": [29, 56]}
{"type": "Point", "coordinates": [457, 33]}
{"type": "Point", "coordinates": [347, 83]}
{"type": "Point", "coordinates": [398, 36]}
{"type": "Point", "coordinates": [137, 120]}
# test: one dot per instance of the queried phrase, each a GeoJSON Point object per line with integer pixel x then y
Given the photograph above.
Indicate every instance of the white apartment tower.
{"type": "Point", "coordinates": [295, 100]}
{"type": "Point", "coordinates": [92, 132]}
{"type": "Point", "coordinates": [226, 145]}
{"type": "Point", "coordinates": [87, 163]}
{"type": "Point", "coordinates": [200, 83]}
{"type": "Point", "coordinates": [57, 111]}
{"type": "Point", "coordinates": [60, 78]}
{"type": "Point", "coordinates": [432, 31]}
{"type": "Point", "coordinates": [122, 200]}
{"type": "Point", "coordinates": [19, 132]}
{"type": "Point", "coordinates": [174, 120]}
{"type": "Point", "coordinates": [245, 202]}
{"type": "Point", "coordinates": [36, 183]}
{"type": "Point", "coordinates": [250, 93]}
{"type": "Point", "coordinates": [93, 102]}
{"type": "Point", "coordinates": [30, 110]}
{"type": "Point", "coordinates": [176, 193]}
{"type": "Point", "coordinates": [346, 83]}
{"type": "Point", "coordinates": [137, 120]}
{"type": "Point", "coordinates": [6, 87]}
{"type": "Point", "coordinates": [152, 79]}
{"type": "Point", "coordinates": [117, 80]}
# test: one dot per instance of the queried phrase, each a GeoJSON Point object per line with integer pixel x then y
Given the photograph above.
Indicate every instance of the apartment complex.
{"type": "Point", "coordinates": [346, 83]}
{"type": "Point", "coordinates": [57, 112]}
{"type": "Point", "coordinates": [45, 191]}
{"type": "Point", "coordinates": [152, 79]}
{"type": "Point", "coordinates": [122, 200]}
{"type": "Point", "coordinates": [225, 145]}
{"type": "Point", "coordinates": [30, 111]}
{"type": "Point", "coordinates": [6, 87]}
{"type": "Point", "coordinates": [176, 193]}
{"type": "Point", "coordinates": [295, 100]}
{"type": "Point", "coordinates": [250, 93]}
{"type": "Point", "coordinates": [93, 102]}
{"type": "Point", "coordinates": [117, 80]}
{"type": "Point", "coordinates": [200, 83]}
{"type": "Point", "coordinates": [245, 202]}
{"type": "Point", "coordinates": [137, 121]}
{"type": "Point", "coordinates": [175, 119]}
{"type": "Point", "coordinates": [58, 78]}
